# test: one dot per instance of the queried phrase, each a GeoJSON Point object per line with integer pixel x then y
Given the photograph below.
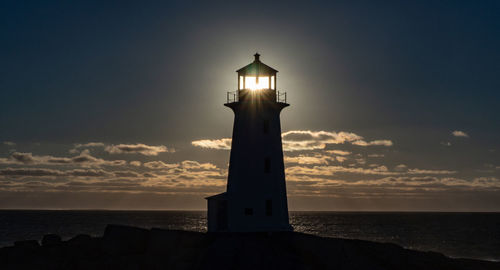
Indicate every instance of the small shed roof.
{"type": "Point", "coordinates": [220, 196]}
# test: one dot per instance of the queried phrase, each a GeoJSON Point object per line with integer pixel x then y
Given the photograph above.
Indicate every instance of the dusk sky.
{"type": "Point", "coordinates": [393, 105]}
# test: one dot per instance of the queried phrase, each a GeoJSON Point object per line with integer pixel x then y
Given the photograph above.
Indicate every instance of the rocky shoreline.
{"type": "Point", "coordinates": [124, 247]}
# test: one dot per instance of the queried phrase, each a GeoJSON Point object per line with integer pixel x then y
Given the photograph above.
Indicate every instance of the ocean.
{"type": "Point", "coordinates": [459, 235]}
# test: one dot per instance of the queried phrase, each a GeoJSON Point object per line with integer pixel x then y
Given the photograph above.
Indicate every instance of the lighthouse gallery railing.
{"type": "Point", "coordinates": [233, 96]}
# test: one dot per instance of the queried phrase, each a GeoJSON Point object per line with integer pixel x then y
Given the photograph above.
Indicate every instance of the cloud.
{"type": "Point", "coordinates": [9, 143]}
{"type": "Point", "coordinates": [301, 140]}
{"type": "Point", "coordinates": [139, 148]}
{"type": "Point", "coordinates": [361, 161]}
{"type": "Point", "coordinates": [184, 177]}
{"type": "Point", "coordinates": [486, 182]}
{"type": "Point", "coordinates": [401, 168]}
{"type": "Point", "coordinates": [186, 164]}
{"type": "Point", "coordinates": [149, 175]}
{"type": "Point", "coordinates": [185, 169]}
{"type": "Point", "coordinates": [318, 158]}
{"type": "Point", "coordinates": [159, 165]}
{"type": "Point", "coordinates": [297, 140]}
{"type": "Point", "coordinates": [25, 158]}
{"type": "Point", "coordinates": [331, 170]}
{"type": "Point", "coordinates": [90, 144]}
{"type": "Point", "coordinates": [341, 159]}
{"type": "Point", "coordinates": [77, 146]}
{"type": "Point", "coordinates": [309, 160]}
{"type": "Point", "coordinates": [388, 186]}
{"type": "Point", "coordinates": [339, 152]}
{"type": "Point", "coordinates": [126, 174]}
{"type": "Point", "coordinates": [135, 163]}
{"type": "Point", "coordinates": [30, 172]}
{"type": "Point", "coordinates": [323, 136]}
{"type": "Point", "coordinates": [83, 159]}
{"type": "Point", "coordinates": [189, 164]}
{"type": "Point", "coordinates": [371, 143]}
{"type": "Point", "coordinates": [371, 170]}
{"type": "Point", "coordinates": [88, 173]}
{"type": "Point", "coordinates": [419, 171]}
{"type": "Point", "coordinates": [147, 150]}
{"type": "Point", "coordinates": [75, 172]}
{"type": "Point", "coordinates": [194, 177]}
{"type": "Point", "coordinates": [376, 155]}
{"type": "Point", "coordinates": [221, 144]}
{"type": "Point", "coordinates": [458, 133]}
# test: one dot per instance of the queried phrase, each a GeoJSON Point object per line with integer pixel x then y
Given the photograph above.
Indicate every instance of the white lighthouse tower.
{"type": "Point", "coordinates": [255, 199]}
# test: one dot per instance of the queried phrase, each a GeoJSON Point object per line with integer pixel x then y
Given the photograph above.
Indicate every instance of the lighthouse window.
{"type": "Point", "coordinates": [248, 211]}
{"type": "Point", "coordinates": [266, 126]}
{"type": "Point", "coordinates": [269, 208]}
{"type": "Point", "coordinates": [267, 165]}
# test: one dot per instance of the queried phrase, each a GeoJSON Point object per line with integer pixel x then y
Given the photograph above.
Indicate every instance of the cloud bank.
{"type": "Point", "coordinates": [220, 144]}
{"type": "Point", "coordinates": [302, 140]}
{"type": "Point", "coordinates": [143, 149]}
{"type": "Point", "coordinates": [83, 159]}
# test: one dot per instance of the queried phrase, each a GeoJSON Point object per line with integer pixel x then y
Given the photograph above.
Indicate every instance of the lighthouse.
{"type": "Point", "coordinates": [255, 199]}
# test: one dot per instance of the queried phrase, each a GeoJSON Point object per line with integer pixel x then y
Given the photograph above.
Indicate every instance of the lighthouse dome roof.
{"type": "Point", "coordinates": [257, 68]}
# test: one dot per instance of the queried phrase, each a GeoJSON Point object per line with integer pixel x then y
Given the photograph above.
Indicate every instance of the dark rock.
{"type": "Point", "coordinates": [125, 247]}
{"type": "Point", "coordinates": [162, 241]}
{"type": "Point", "coordinates": [191, 239]}
{"type": "Point", "coordinates": [80, 240]}
{"type": "Point", "coordinates": [51, 240]}
{"type": "Point", "coordinates": [19, 253]}
{"type": "Point", "coordinates": [84, 246]}
{"type": "Point", "coordinates": [179, 249]}
{"type": "Point", "coordinates": [120, 239]}
{"type": "Point", "coordinates": [27, 244]}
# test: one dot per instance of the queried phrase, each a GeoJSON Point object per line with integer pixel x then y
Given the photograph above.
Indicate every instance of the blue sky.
{"type": "Point", "coordinates": [397, 101]}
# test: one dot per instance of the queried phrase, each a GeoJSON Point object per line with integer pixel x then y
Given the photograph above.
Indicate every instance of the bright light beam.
{"type": "Point", "coordinates": [251, 83]}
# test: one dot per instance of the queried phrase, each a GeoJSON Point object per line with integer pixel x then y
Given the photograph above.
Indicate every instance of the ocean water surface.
{"type": "Point", "coordinates": [464, 235]}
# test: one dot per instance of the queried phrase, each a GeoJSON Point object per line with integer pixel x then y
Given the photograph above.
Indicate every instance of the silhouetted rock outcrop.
{"type": "Point", "coordinates": [124, 240]}
{"type": "Point", "coordinates": [26, 244]}
{"type": "Point", "coordinates": [51, 240]}
{"type": "Point", "coordinates": [124, 247]}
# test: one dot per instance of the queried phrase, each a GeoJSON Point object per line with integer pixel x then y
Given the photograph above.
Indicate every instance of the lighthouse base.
{"type": "Point", "coordinates": [220, 219]}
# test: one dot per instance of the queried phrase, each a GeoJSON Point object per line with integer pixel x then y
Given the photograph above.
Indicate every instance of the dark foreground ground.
{"type": "Point", "coordinates": [124, 247]}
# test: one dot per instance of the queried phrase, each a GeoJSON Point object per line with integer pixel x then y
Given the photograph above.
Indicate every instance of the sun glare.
{"type": "Point", "coordinates": [252, 84]}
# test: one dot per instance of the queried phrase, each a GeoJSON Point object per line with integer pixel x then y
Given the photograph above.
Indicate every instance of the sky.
{"type": "Point", "coordinates": [119, 104]}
